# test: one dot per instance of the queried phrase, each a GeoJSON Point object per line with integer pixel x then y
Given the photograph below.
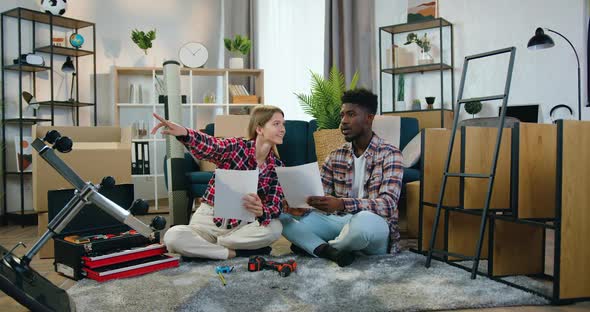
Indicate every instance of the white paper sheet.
{"type": "Point", "coordinates": [300, 182]}
{"type": "Point", "coordinates": [230, 188]}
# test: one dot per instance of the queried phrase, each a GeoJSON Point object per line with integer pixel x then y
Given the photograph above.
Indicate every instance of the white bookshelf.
{"type": "Point", "coordinates": [195, 83]}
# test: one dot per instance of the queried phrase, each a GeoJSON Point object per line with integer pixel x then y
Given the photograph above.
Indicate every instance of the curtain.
{"type": "Point", "coordinates": [350, 39]}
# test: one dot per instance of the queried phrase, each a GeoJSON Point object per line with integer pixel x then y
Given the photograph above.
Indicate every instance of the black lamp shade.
{"type": "Point", "coordinates": [68, 66]}
{"type": "Point", "coordinates": [540, 40]}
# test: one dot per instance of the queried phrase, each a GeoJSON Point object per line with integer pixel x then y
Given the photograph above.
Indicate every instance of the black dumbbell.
{"type": "Point", "coordinates": [139, 207]}
{"type": "Point", "coordinates": [51, 136]}
{"type": "Point", "coordinates": [107, 182]}
{"type": "Point", "coordinates": [158, 223]}
{"type": "Point", "coordinates": [62, 144]}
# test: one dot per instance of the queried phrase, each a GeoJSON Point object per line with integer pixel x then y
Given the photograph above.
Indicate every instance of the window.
{"type": "Point", "coordinates": [290, 44]}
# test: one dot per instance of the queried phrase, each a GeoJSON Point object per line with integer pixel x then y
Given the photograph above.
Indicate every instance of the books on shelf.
{"type": "Point", "coordinates": [238, 90]}
{"type": "Point", "coordinates": [140, 158]}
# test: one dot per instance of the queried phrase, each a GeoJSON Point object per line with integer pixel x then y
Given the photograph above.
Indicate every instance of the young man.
{"type": "Point", "coordinates": [362, 182]}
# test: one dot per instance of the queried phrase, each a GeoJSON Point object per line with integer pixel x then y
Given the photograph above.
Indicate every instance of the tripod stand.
{"type": "Point", "coordinates": [17, 278]}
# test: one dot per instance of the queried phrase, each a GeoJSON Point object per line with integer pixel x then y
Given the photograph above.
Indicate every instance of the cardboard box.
{"type": "Point", "coordinates": [227, 126]}
{"type": "Point", "coordinates": [231, 126]}
{"type": "Point", "coordinates": [97, 152]}
{"type": "Point", "coordinates": [244, 99]}
{"type": "Point", "coordinates": [47, 251]}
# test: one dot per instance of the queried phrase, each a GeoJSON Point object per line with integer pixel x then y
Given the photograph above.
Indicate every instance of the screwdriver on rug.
{"type": "Point", "coordinates": [223, 269]}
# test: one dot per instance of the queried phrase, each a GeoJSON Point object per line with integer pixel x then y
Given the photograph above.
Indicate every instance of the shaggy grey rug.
{"type": "Point", "coordinates": [379, 283]}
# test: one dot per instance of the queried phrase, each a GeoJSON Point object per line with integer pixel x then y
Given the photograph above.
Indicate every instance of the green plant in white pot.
{"type": "Point", "coordinates": [473, 108]}
{"type": "Point", "coordinates": [324, 104]}
{"type": "Point", "coordinates": [239, 47]}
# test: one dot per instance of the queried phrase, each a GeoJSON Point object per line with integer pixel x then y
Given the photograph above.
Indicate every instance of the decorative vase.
{"type": "Point", "coordinates": [430, 101]}
{"type": "Point", "coordinates": [401, 105]}
{"type": "Point", "coordinates": [236, 63]}
{"type": "Point", "coordinates": [424, 58]}
{"type": "Point", "coordinates": [326, 141]}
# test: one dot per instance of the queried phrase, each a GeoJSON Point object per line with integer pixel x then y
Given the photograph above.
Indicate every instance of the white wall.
{"type": "Point", "coordinates": [177, 22]}
{"type": "Point", "coordinates": [546, 77]}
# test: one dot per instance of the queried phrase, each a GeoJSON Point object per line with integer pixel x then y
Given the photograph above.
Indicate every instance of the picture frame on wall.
{"type": "Point", "coordinates": [422, 10]}
{"type": "Point", "coordinates": [24, 161]}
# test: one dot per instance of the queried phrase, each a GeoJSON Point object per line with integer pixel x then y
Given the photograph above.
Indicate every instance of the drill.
{"type": "Point", "coordinates": [257, 263]}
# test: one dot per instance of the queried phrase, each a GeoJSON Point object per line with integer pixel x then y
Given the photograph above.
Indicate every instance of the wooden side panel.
{"type": "Point", "coordinates": [574, 278]}
{"type": "Point", "coordinates": [412, 208]}
{"type": "Point", "coordinates": [479, 151]}
{"type": "Point", "coordinates": [518, 249]}
{"type": "Point", "coordinates": [434, 153]}
{"type": "Point", "coordinates": [536, 170]}
{"type": "Point", "coordinates": [427, 221]}
{"type": "Point", "coordinates": [463, 235]}
{"type": "Point", "coordinates": [428, 118]}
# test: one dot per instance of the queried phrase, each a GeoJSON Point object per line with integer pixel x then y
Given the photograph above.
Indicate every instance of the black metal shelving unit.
{"type": "Point", "coordinates": [440, 66]}
{"type": "Point", "coordinates": [38, 18]}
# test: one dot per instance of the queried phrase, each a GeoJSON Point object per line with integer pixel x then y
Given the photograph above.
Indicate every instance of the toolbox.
{"type": "Point", "coordinates": [92, 235]}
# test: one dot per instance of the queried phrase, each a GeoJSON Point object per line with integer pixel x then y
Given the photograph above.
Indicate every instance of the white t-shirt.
{"type": "Point", "coordinates": [358, 190]}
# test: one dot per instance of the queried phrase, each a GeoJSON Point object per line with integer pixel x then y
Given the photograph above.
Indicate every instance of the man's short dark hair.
{"type": "Point", "coordinates": [361, 97]}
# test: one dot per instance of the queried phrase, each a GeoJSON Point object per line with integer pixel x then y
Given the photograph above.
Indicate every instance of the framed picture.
{"type": "Point", "coordinates": [422, 10]}
{"type": "Point", "coordinates": [25, 160]}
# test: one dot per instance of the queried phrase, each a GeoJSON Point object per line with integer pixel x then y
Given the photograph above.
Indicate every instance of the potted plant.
{"type": "Point", "coordinates": [238, 47]}
{"type": "Point", "coordinates": [324, 104]}
{"type": "Point", "coordinates": [142, 39]}
{"type": "Point", "coordinates": [473, 108]}
{"type": "Point", "coordinates": [401, 92]}
{"type": "Point", "coordinates": [416, 105]}
{"type": "Point", "coordinates": [424, 44]}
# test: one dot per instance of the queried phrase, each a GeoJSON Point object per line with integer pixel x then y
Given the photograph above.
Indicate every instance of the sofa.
{"type": "Point", "coordinates": [298, 148]}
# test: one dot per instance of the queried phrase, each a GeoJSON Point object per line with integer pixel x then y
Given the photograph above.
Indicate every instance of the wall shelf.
{"type": "Point", "coordinates": [26, 68]}
{"type": "Point", "coordinates": [65, 103]}
{"type": "Point", "coordinates": [417, 69]}
{"type": "Point", "coordinates": [397, 32]}
{"type": "Point", "coordinates": [195, 115]}
{"type": "Point", "coordinates": [27, 23]}
{"type": "Point", "coordinates": [64, 51]}
{"type": "Point", "coordinates": [46, 18]}
{"type": "Point", "coordinates": [28, 120]}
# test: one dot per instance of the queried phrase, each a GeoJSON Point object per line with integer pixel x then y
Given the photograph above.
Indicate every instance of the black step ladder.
{"type": "Point", "coordinates": [490, 176]}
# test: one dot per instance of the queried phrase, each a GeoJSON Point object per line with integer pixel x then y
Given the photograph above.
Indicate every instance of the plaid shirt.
{"type": "Point", "coordinates": [238, 154]}
{"type": "Point", "coordinates": [382, 182]}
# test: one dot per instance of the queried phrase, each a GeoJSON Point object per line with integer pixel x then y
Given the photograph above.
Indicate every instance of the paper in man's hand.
{"type": "Point", "coordinates": [230, 188]}
{"type": "Point", "coordinates": [300, 182]}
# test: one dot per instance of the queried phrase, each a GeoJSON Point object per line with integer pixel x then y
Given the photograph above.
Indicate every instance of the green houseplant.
{"type": "Point", "coordinates": [324, 104]}
{"type": "Point", "coordinates": [473, 108]}
{"type": "Point", "coordinates": [424, 44]}
{"type": "Point", "coordinates": [324, 101]}
{"type": "Point", "coordinates": [142, 39]}
{"type": "Point", "coordinates": [239, 46]}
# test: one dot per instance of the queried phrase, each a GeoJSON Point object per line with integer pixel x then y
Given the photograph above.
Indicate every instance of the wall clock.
{"type": "Point", "coordinates": [193, 54]}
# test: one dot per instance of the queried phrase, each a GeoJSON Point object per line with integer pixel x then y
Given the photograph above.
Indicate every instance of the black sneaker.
{"type": "Point", "coordinates": [192, 259]}
{"type": "Point", "coordinates": [300, 251]}
{"type": "Point", "coordinates": [264, 251]}
{"type": "Point", "coordinates": [342, 258]}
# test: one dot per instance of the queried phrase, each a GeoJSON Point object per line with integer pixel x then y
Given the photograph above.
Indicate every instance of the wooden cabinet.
{"type": "Point", "coordinates": [541, 187]}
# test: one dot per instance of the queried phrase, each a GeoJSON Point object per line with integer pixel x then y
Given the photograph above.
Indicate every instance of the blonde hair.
{"type": "Point", "coordinates": [259, 116]}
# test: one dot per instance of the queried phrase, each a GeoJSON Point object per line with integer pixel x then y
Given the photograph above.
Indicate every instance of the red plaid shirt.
{"type": "Point", "coordinates": [382, 182]}
{"type": "Point", "coordinates": [238, 154]}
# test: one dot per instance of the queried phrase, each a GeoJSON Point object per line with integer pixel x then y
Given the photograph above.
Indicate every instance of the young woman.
{"type": "Point", "coordinates": [216, 238]}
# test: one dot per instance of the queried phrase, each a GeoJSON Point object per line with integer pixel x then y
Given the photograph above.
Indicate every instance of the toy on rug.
{"type": "Point", "coordinates": [223, 269]}
{"type": "Point", "coordinates": [257, 263]}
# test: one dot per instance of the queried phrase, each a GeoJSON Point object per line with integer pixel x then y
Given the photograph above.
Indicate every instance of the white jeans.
{"type": "Point", "coordinates": [202, 238]}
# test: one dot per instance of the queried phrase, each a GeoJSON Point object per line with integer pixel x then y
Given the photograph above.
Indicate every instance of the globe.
{"type": "Point", "coordinates": [76, 40]}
